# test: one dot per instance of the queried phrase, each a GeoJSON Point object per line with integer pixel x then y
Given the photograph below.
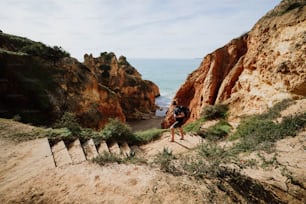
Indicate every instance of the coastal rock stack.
{"type": "Point", "coordinates": [137, 96]}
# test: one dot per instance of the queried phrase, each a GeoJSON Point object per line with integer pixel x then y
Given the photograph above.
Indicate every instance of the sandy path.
{"type": "Point", "coordinates": [28, 175]}
{"type": "Point", "coordinates": [90, 183]}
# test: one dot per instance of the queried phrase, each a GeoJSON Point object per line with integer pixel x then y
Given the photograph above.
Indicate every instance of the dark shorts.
{"type": "Point", "coordinates": [177, 123]}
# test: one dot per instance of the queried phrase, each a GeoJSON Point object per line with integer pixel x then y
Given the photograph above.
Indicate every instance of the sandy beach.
{"type": "Point", "coordinates": [140, 125]}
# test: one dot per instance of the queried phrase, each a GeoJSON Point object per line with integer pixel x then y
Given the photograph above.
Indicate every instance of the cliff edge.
{"type": "Point", "coordinates": [38, 84]}
{"type": "Point", "coordinates": [254, 71]}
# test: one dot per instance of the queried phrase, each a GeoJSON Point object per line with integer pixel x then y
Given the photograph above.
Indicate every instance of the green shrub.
{"type": "Point", "coordinates": [265, 163]}
{"type": "Point", "coordinates": [25, 136]}
{"type": "Point", "coordinates": [88, 133]}
{"type": "Point", "coordinates": [290, 125]}
{"type": "Point", "coordinates": [216, 132]}
{"type": "Point", "coordinates": [165, 161]}
{"type": "Point", "coordinates": [33, 49]}
{"type": "Point", "coordinates": [214, 156]}
{"type": "Point", "coordinates": [274, 112]}
{"type": "Point", "coordinates": [285, 7]}
{"type": "Point", "coordinates": [56, 135]}
{"type": "Point", "coordinates": [107, 157]}
{"type": "Point", "coordinates": [195, 167]}
{"type": "Point", "coordinates": [69, 121]}
{"type": "Point", "coordinates": [195, 126]}
{"type": "Point", "coordinates": [24, 45]}
{"type": "Point", "coordinates": [211, 112]}
{"type": "Point", "coordinates": [291, 6]}
{"type": "Point", "coordinates": [211, 151]}
{"type": "Point", "coordinates": [257, 133]}
{"type": "Point", "coordinates": [116, 130]}
{"type": "Point", "coordinates": [146, 136]}
{"type": "Point", "coordinates": [253, 127]}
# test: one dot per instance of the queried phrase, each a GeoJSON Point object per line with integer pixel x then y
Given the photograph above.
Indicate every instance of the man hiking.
{"type": "Point", "coordinates": [179, 116]}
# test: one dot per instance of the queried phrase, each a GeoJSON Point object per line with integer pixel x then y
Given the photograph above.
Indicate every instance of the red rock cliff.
{"type": "Point", "coordinates": [40, 83]}
{"type": "Point", "coordinates": [137, 96]}
{"type": "Point", "coordinates": [254, 71]}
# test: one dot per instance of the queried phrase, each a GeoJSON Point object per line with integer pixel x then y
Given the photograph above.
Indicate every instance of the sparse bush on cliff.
{"type": "Point", "coordinates": [69, 121]}
{"type": "Point", "coordinates": [146, 136]}
{"type": "Point", "coordinates": [274, 112]}
{"type": "Point", "coordinates": [24, 45]}
{"type": "Point", "coordinates": [217, 131]}
{"type": "Point", "coordinates": [106, 158]}
{"type": "Point", "coordinates": [216, 111]}
{"type": "Point", "coordinates": [58, 134]}
{"type": "Point", "coordinates": [116, 130]}
{"type": "Point", "coordinates": [195, 126]}
{"type": "Point", "coordinates": [165, 162]}
{"type": "Point", "coordinates": [267, 130]}
{"type": "Point", "coordinates": [286, 6]}
{"type": "Point", "coordinates": [260, 131]}
{"type": "Point", "coordinates": [33, 49]}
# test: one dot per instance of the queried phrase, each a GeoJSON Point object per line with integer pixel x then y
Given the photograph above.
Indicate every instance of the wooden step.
{"type": "Point", "coordinates": [90, 150]}
{"type": "Point", "coordinates": [125, 149]}
{"type": "Point", "coordinates": [60, 154]}
{"type": "Point", "coordinates": [76, 152]}
{"type": "Point", "coordinates": [103, 148]}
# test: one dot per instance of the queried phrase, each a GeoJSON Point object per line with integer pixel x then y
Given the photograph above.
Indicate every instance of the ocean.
{"type": "Point", "coordinates": [167, 74]}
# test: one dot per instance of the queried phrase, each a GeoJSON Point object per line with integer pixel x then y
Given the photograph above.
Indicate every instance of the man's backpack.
{"type": "Point", "coordinates": [183, 109]}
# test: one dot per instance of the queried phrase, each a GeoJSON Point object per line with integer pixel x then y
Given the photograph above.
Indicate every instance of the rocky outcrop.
{"type": "Point", "coordinates": [254, 71]}
{"type": "Point", "coordinates": [39, 86]}
{"type": "Point", "coordinates": [137, 96]}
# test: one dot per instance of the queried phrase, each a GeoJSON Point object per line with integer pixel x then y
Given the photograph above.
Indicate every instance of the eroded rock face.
{"type": "Point", "coordinates": [39, 89]}
{"type": "Point", "coordinates": [137, 96]}
{"type": "Point", "coordinates": [90, 100]}
{"type": "Point", "coordinates": [254, 71]}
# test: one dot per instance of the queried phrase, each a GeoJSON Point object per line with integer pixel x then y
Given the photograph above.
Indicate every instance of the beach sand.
{"type": "Point", "coordinates": [141, 125]}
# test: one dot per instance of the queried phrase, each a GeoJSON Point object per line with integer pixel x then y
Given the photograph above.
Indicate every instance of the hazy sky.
{"type": "Point", "coordinates": [133, 28]}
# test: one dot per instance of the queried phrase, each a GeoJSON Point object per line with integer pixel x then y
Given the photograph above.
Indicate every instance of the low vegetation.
{"type": "Point", "coordinates": [165, 162]}
{"type": "Point", "coordinates": [146, 136]}
{"type": "Point", "coordinates": [217, 111]}
{"type": "Point", "coordinates": [116, 130]}
{"type": "Point", "coordinates": [195, 126]}
{"type": "Point", "coordinates": [108, 158]}
{"type": "Point", "coordinates": [262, 131]}
{"type": "Point", "coordinates": [216, 132]}
{"type": "Point", "coordinates": [67, 128]}
{"type": "Point", "coordinates": [18, 44]}
{"type": "Point", "coordinates": [286, 7]}
{"type": "Point", "coordinates": [257, 132]}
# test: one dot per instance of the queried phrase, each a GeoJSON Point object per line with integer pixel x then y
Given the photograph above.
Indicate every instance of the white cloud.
{"type": "Point", "coordinates": [134, 28]}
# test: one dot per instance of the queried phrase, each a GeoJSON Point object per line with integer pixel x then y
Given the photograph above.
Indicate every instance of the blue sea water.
{"type": "Point", "coordinates": [167, 74]}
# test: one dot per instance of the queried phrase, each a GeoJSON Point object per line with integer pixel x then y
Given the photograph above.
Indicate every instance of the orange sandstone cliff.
{"type": "Point", "coordinates": [38, 84]}
{"type": "Point", "coordinates": [254, 71]}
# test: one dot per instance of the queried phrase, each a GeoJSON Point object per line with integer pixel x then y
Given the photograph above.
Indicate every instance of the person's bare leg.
{"type": "Point", "coordinates": [172, 134]}
{"type": "Point", "coordinates": [182, 133]}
